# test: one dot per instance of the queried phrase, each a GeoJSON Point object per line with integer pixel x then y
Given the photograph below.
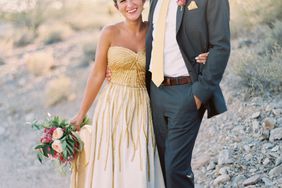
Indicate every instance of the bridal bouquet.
{"type": "Point", "coordinates": [59, 141]}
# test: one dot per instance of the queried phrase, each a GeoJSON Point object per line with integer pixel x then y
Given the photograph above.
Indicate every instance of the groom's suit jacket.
{"type": "Point", "coordinates": [203, 29]}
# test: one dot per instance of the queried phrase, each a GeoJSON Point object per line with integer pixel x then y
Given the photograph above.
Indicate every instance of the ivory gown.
{"type": "Point", "coordinates": [123, 151]}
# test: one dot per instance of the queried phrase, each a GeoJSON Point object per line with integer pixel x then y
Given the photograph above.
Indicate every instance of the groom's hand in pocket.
{"type": "Point", "coordinates": [108, 74]}
{"type": "Point", "coordinates": [197, 102]}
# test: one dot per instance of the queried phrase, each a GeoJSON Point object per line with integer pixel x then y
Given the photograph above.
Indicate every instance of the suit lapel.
{"type": "Point", "coordinates": [149, 37]}
{"type": "Point", "coordinates": [152, 9]}
{"type": "Point", "coordinates": [179, 15]}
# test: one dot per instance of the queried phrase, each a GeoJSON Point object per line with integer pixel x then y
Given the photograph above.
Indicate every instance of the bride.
{"type": "Point", "coordinates": [123, 151]}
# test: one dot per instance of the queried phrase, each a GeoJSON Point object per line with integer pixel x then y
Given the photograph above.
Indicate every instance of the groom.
{"type": "Point", "coordinates": [180, 89]}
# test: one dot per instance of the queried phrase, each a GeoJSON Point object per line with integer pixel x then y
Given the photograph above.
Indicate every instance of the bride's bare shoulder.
{"type": "Point", "coordinates": [112, 29]}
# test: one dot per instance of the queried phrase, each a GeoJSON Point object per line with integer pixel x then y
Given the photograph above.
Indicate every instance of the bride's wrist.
{"type": "Point", "coordinates": [81, 114]}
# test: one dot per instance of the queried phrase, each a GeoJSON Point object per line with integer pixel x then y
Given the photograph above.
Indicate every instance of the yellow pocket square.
{"type": "Point", "coordinates": [192, 5]}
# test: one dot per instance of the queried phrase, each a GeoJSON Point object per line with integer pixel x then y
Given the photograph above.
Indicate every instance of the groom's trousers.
{"type": "Point", "coordinates": [176, 125]}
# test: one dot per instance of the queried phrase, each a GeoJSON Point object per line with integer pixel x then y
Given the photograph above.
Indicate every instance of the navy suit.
{"type": "Point", "coordinates": [176, 118]}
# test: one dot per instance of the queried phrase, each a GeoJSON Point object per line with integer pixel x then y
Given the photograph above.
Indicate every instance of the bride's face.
{"type": "Point", "coordinates": [130, 9]}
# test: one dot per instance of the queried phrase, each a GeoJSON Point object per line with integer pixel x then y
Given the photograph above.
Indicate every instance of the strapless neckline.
{"type": "Point", "coordinates": [129, 50]}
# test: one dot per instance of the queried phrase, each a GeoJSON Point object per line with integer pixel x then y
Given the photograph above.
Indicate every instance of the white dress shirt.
{"type": "Point", "coordinates": [174, 64]}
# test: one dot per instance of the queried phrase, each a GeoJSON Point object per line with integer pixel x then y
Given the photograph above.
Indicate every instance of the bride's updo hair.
{"type": "Point", "coordinates": [115, 3]}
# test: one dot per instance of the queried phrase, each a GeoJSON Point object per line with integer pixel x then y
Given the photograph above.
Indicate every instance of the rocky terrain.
{"type": "Point", "coordinates": [242, 147]}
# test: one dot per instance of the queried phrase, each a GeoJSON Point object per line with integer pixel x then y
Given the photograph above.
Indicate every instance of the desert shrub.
{"type": "Point", "coordinates": [273, 38]}
{"type": "Point", "coordinates": [249, 13]}
{"type": "Point", "coordinates": [53, 32]}
{"type": "Point", "coordinates": [91, 15]}
{"type": "Point", "coordinates": [39, 63]}
{"type": "Point", "coordinates": [260, 73]}
{"type": "Point", "coordinates": [79, 23]}
{"type": "Point", "coordinates": [57, 89]}
{"type": "Point", "coordinates": [35, 14]}
{"type": "Point", "coordinates": [29, 19]}
{"type": "Point", "coordinates": [2, 62]}
{"type": "Point", "coordinates": [239, 21]}
{"type": "Point", "coordinates": [54, 37]}
{"type": "Point", "coordinates": [262, 12]}
{"type": "Point", "coordinates": [24, 38]}
{"type": "Point", "coordinates": [88, 53]}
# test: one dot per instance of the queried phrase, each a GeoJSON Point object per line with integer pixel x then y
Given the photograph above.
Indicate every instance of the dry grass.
{"type": "Point", "coordinates": [258, 61]}
{"type": "Point", "coordinates": [91, 15]}
{"type": "Point", "coordinates": [273, 38]}
{"type": "Point", "coordinates": [53, 32]}
{"type": "Point", "coordinates": [57, 90]}
{"type": "Point", "coordinates": [262, 12]}
{"type": "Point", "coordinates": [39, 63]}
{"type": "Point", "coordinates": [89, 50]}
{"type": "Point", "coordinates": [23, 38]}
{"type": "Point", "coordinates": [2, 62]}
{"type": "Point", "coordinates": [260, 73]}
{"type": "Point", "coordinates": [85, 21]}
{"type": "Point", "coordinates": [246, 14]}
{"type": "Point", "coordinates": [57, 18]}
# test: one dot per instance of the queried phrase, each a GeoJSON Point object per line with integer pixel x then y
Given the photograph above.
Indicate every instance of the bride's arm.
{"type": "Point", "coordinates": [95, 78]}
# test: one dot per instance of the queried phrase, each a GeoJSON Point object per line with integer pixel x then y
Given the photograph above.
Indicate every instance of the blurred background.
{"type": "Point", "coordinates": [47, 47]}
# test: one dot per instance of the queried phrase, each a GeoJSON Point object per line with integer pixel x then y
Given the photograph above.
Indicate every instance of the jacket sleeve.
{"type": "Point", "coordinates": [217, 16]}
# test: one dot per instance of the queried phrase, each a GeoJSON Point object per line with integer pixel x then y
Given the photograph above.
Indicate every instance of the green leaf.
{"type": "Point", "coordinates": [65, 154]}
{"type": "Point", "coordinates": [52, 152]}
{"type": "Point", "coordinates": [64, 144]}
{"type": "Point", "coordinates": [70, 149]}
{"type": "Point", "coordinates": [70, 139]}
{"type": "Point", "coordinates": [36, 125]}
{"type": "Point", "coordinates": [85, 121]}
{"type": "Point", "coordinates": [45, 150]}
{"type": "Point", "coordinates": [63, 139]}
{"type": "Point", "coordinates": [39, 157]}
{"type": "Point", "coordinates": [39, 146]}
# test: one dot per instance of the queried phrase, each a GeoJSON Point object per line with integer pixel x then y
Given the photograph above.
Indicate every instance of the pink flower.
{"type": "Point", "coordinates": [181, 2]}
{"type": "Point", "coordinates": [57, 134]}
{"type": "Point", "coordinates": [51, 130]}
{"type": "Point", "coordinates": [57, 146]}
{"type": "Point", "coordinates": [53, 157]}
{"type": "Point", "coordinates": [46, 130]}
{"type": "Point", "coordinates": [47, 138]}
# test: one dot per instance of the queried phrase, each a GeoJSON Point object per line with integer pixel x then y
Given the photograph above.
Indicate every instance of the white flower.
{"type": "Point", "coordinates": [57, 146]}
{"type": "Point", "coordinates": [57, 134]}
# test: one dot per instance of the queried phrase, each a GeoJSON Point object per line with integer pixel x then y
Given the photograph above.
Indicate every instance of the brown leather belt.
{"type": "Point", "coordinates": [170, 81]}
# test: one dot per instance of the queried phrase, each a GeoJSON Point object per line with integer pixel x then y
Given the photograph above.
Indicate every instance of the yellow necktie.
{"type": "Point", "coordinates": [157, 66]}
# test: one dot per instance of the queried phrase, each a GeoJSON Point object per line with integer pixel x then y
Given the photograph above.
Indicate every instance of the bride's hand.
{"type": "Point", "coordinates": [77, 121]}
{"type": "Point", "coordinates": [202, 58]}
{"type": "Point", "coordinates": [108, 74]}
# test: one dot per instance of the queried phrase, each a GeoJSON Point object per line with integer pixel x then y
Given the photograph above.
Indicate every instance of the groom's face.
{"type": "Point", "coordinates": [130, 9]}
